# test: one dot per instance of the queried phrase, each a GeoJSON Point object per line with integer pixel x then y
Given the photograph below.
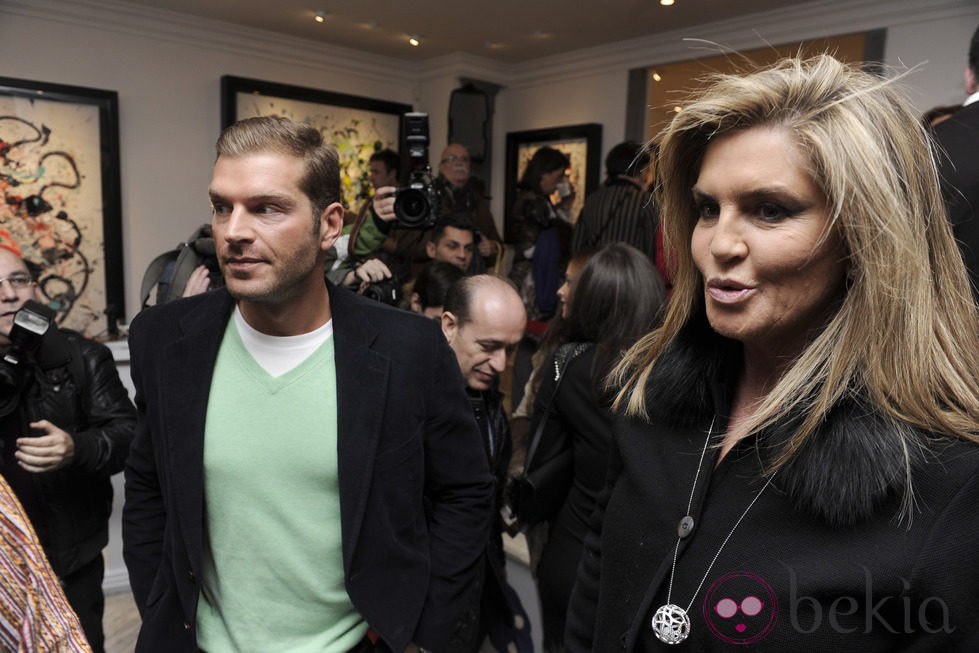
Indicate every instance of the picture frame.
{"type": "Point", "coordinates": [357, 126]}
{"type": "Point", "coordinates": [583, 145]}
{"type": "Point", "coordinates": [60, 198]}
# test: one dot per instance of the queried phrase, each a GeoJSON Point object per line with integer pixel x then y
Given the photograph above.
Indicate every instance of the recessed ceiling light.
{"type": "Point", "coordinates": [319, 15]}
{"type": "Point", "coordinates": [666, 3]}
{"type": "Point", "coordinates": [414, 40]}
{"type": "Point", "coordinates": [657, 77]}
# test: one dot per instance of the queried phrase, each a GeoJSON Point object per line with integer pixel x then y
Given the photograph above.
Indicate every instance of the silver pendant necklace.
{"type": "Point", "coordinates": [671, 623]}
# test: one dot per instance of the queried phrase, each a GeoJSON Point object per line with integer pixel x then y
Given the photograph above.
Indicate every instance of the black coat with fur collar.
{"type": "Point", "coordinates": [822, 548]}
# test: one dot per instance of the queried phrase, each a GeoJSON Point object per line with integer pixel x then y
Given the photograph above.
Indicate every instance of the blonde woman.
{"type": "Point", "coordinates": [796, 461]}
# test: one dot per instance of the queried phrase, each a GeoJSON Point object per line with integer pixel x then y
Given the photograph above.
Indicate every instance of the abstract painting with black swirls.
{"type": "Point", "coordinates": [51, 210]}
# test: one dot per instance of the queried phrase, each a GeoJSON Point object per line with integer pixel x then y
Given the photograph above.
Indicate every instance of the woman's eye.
{"type": "Point", "coordinates": [772, 212]}
{"type": "Point", "coordinates": [707, 210]}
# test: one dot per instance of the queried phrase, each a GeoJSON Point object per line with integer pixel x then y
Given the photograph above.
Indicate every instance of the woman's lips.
{"type": "Point", "coordinates": [727, 292]}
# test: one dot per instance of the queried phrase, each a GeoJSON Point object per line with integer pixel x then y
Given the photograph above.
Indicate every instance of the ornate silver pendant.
{"type": "Point", "coordinates": [671, 624]}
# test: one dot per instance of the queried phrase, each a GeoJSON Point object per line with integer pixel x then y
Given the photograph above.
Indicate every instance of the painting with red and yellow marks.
{"type": "Point", "coordinates": [51, 203]}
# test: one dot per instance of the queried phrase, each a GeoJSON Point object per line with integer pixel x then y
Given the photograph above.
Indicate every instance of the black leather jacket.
{"type": "Point", "coordinates": [75, 501]}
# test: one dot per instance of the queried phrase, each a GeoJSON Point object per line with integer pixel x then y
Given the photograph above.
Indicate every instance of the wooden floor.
{"type": "Point", "coordinates": [121, 623]}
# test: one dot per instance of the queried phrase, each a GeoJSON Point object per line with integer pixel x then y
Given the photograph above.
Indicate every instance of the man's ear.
{"type": "Point", "coordinates": [450, 326]}
{"type": "Point", "coordinates": [971, 83]}
{"type": "Point", "coordinates": [331, 225]}
{"type": "Point", "coordinates": [415, 302]}
{"type": "Point", "coordinates": [430, 249]}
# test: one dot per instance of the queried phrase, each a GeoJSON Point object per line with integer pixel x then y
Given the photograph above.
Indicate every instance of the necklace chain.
{"type": "Point", "coordinates": [671, 623]}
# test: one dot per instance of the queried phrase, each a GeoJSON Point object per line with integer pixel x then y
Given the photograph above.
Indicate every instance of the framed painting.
{"type": "Point", "coordinates": [60, 202]}
{"type": "Point", "coordinates": [356, 126]}
{"type": "Point", "coordinates": [581, 143]}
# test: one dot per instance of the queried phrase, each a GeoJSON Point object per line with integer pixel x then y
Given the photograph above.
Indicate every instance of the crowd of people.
{"type": "Point", "coordinates": [752, 417]}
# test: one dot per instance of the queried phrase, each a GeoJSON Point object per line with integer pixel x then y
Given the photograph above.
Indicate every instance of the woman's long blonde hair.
{"type": "Point", "coordinates": [906, 336]}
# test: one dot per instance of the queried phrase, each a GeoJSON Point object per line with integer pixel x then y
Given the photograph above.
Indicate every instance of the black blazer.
{"type": "Point", "coordinates": [823, 547]}
{"type": "Point", "coordinates": [958, 169]}
{"type": "Point", "coordinates": [415, 490]}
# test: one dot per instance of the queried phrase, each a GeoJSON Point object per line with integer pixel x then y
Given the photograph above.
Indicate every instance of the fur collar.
{"type": "Point", "coordinates": [854, 463]}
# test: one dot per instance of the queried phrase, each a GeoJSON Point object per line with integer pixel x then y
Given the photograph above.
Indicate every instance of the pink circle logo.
{"type": "Point", "coordinates": [740, 608]}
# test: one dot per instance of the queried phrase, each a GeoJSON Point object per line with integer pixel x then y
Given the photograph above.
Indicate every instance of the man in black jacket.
{"type": "Point", "coordinates": [302, 453]}
{"type": "Point", "coordinates": [483, 320]}
{"type": "Point", "coordinates": [622, 210]}
{"type": "Point", "coordinates": [66, 422]}
{"type": "Point", "coordinates": [958, 167]}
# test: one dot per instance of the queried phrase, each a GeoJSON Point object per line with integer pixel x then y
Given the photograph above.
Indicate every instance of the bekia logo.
{"type": "Point", "coordinates": [740, 608]}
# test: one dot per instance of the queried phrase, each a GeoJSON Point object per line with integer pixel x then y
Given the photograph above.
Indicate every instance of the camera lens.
{"type": "Point", "coordinates": [411, 207]}
{"type": "Point", "coordinates": [387, 291]}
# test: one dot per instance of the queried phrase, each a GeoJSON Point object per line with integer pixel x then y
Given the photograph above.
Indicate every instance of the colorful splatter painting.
{"type": "Point", "coordinates": [356, 134]}
{"type": "Point", "coordinates": [51, 203]}
{"type": "Point", "coordinates": [357, 126]}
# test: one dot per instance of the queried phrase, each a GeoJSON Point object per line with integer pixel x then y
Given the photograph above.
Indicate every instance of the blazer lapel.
{"type": "Point", "coordinates": [186, 383]}
{"type": "Point", "coordinates": [362, 380]}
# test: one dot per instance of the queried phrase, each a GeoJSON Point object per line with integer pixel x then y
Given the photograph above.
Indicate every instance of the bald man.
{"type": "Point", "coordinates": [483, 319]}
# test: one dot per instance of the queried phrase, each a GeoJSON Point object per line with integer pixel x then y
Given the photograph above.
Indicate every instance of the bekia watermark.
{"type": "Point", "coordinates": [743, 608]}
{"type": "Point", "coordinates": [868, 612]}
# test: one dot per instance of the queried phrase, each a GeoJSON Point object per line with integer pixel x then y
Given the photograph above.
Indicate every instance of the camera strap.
{"type": "Point", "coordinates": [365, 211]}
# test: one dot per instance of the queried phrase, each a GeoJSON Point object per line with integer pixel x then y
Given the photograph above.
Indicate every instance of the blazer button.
{"type": "Point", "coordinates": [187, 626]}
{"type": "Point", "coordinates": [685, 527]}
{"type": "Point", "coordinates": [191, 576]}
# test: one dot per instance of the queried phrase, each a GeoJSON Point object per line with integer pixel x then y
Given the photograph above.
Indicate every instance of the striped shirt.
{"type": "Point", "coordinates": [34, 614]}
{"type": "Point", "coordinates": [619, 211]}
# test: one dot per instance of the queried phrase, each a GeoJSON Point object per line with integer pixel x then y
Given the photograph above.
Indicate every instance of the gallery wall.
{"type": "Point", "coordinates": [166, 69]}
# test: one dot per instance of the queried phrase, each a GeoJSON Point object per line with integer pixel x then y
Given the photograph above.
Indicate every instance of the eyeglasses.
{"type": "Point", "coordinates": [452, 158]}
{"type": "Point", "coordinates": [18, 281]}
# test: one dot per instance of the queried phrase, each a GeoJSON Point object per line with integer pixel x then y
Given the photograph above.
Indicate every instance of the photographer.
{"type": "Point", "coordinates": [460, 191]}
{"type": "Point", "coordinates": [358, 268]}
{"type": "Point", "coordinates": [66, 423]}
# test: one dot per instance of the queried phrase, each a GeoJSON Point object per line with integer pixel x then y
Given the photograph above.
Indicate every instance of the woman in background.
{"type": "Point", "coordinates": [549, 342]}
{"type": "Point", "coordinates": [797, 464]}
{"type": "Point", "coordinates": [541, 232]}
{"type": "Point", "coordinates": [616, 298]}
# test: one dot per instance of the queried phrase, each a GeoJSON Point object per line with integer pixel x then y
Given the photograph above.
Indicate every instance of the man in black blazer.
{"type": "Point", "coordinates": [483, 320]}
{"type": "Point", "coordinates": [359, 522]}
{"type": "Point", "coordinates": [958, 166]}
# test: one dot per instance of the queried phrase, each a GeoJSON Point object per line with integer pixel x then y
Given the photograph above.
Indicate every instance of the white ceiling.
{"type": "Point", "coordinates": [508, 31]}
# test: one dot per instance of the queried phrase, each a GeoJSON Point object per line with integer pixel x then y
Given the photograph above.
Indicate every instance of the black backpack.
{"type": "Point", "coordinates": [169, 271]}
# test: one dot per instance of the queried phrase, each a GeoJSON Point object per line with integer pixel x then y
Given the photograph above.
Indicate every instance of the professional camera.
{"type": "Point", "coordinates": [417, 205]}
{"type": "Point", "coordinates": [386, 291]}
{"type": "Point", "coordinates": [31, 322]}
